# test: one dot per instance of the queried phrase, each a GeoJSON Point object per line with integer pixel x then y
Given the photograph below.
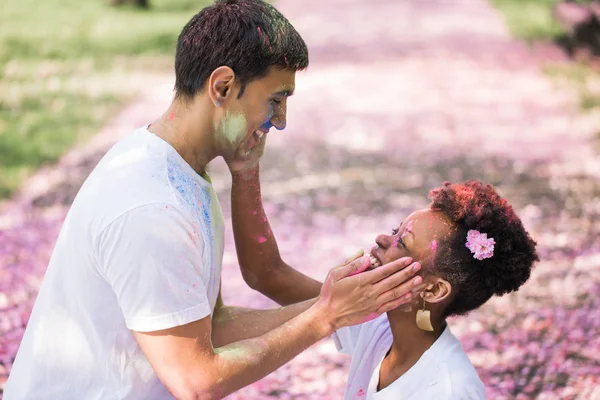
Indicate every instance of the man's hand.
{"type": "Point", "coordinates": [244, 161]}
{"type": "Point", "coordinates": [351, 295]}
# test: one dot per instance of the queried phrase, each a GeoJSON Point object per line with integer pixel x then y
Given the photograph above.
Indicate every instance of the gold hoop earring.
{"type": "Point", "coordinates": [424, 319]}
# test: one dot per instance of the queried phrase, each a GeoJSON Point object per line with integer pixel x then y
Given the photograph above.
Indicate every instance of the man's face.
{"type": "Point", "coordinates": [262, 105]}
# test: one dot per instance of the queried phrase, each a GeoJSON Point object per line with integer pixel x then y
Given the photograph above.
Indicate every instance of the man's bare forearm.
{"type": "Point", "coordinates": [241, 363]}
{"type": "Point", "coordinates": [258, 253]}
{"type": "Point", "coordinates": [232, 324]}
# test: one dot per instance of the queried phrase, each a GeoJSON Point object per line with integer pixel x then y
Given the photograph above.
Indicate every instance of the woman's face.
{"type": "Point", "coordinates": [416, 237]}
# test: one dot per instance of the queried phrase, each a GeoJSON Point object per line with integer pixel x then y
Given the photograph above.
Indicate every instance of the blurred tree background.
{"type": "Point", "coordinates": [574, 26]}
{"type": "Point", "coordinates": [135, 3]}
{"type": "Point", "coordinates": [67, 66]}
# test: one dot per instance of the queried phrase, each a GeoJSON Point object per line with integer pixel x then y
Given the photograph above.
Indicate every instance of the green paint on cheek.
{"type": "Point", "coordinates": [233, 127]}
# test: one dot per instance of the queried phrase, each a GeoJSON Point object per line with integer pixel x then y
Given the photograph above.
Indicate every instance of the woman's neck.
{"type": "Point", "coordinates": [408, 346]}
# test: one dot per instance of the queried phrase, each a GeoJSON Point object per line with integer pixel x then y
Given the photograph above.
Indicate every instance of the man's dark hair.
{"type": "Point", "coordinates": [249, 36]}
{"type": "Point", "coordinates": [473, 205]}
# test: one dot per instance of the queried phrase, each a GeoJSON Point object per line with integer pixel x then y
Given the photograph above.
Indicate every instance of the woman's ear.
{"type": "Point", "coordinates": [220, 85]}
{"type": "Point", "coordinates": [436, 289]}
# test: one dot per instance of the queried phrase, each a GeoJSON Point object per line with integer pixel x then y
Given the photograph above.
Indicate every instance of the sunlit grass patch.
{"type": "Point", "coordinates": [66, 66]}
{"type": "Point", "coordinates": [530, 20]}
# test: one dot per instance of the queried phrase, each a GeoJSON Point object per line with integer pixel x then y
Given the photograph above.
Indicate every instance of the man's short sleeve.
{"type": "Point", "coordinates": [152, 258]}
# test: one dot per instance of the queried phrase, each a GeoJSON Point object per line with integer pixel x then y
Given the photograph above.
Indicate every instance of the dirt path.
{"type": "Point", "coordinates": [400, 96]}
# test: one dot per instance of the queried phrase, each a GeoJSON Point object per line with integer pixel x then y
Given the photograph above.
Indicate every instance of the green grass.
{"type": "Point", "coordinates": [64, 70]}
{"type": "Point", "coordinates": [582, 78]}
{"type": "Point", "coordinates": [530, 20]}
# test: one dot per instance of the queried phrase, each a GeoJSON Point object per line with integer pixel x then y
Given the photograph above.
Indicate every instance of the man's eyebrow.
{"type": "Point", "coordinates": [284, 92]}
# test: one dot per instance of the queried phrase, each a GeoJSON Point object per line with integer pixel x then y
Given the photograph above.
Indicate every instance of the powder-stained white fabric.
{"type": "Point", "coordinates": [141, 249]}
{"type": "Point", "coordinates": [444, 372]}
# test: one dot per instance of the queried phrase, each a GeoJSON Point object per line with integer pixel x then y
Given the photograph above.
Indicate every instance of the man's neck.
{"type": "Point", "coordinates": [408, 346]}
{"type": "Point", "coordinates": [189, 131]}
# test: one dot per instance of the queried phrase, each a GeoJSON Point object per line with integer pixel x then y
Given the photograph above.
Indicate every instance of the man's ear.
{"type": "Point", "coordinates": [220, 85]}
{"type": "Point", "coordinates": [436, 289]}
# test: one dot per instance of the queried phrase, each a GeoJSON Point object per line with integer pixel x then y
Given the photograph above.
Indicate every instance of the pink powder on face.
{"type": "Point", "coordinates": [254, 212]}
{"type": "Point", "coordinates": [262, 239]}
{"type": "Point", "coordinates": [434, 246]}
{"type": "Point", "coordinates": [171, 115]}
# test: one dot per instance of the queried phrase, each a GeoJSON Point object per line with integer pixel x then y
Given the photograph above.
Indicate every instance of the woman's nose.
{"type": "Point", "coordinates": [383, 241]}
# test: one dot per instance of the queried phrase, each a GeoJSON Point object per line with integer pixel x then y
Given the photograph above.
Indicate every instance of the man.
{"type": "Point", "coordinates": [130, 306]}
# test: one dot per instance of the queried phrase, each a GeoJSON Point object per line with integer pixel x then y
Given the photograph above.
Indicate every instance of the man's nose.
{"type": "Point", "coordinates": [279, 124]}
{"type": "Point", "coordinates": [279, 118]}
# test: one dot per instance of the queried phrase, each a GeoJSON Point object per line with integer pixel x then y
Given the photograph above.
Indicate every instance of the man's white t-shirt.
{"type": "Point", "coordinates": [141, 249]}
{"type": "Point", "coordinates": [444, 372]}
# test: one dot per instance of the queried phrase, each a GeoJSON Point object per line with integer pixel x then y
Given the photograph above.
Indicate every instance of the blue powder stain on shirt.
{"type": "Point", "coordinates": [193, 194]}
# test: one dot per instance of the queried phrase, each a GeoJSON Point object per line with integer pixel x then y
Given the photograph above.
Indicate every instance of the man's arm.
{"type": "Point", "coordinates": [190, 367]}
{"type": "Point", "coordinates": [257, 250]}
{"type": "Point", "coordinates": [232, 324]}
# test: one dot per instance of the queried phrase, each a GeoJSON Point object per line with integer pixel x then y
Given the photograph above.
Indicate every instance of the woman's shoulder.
{"type": "Point", "coordinates": [461, 376]}
{"type": "Point", "coordinates": [367, 335]}
{"type": "Point", "coordinates": [458, 381]}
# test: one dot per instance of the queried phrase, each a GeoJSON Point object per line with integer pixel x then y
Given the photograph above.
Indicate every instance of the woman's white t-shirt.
{"type": "Point", "coordinates": [444, 372]}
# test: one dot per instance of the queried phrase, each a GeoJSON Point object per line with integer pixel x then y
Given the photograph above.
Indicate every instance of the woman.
{"type": "Point", "coordinates": [471, 246]}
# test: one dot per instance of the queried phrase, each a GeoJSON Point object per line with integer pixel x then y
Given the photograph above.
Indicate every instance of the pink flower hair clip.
{"type": "Point", "coordinates": [480, 245]}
